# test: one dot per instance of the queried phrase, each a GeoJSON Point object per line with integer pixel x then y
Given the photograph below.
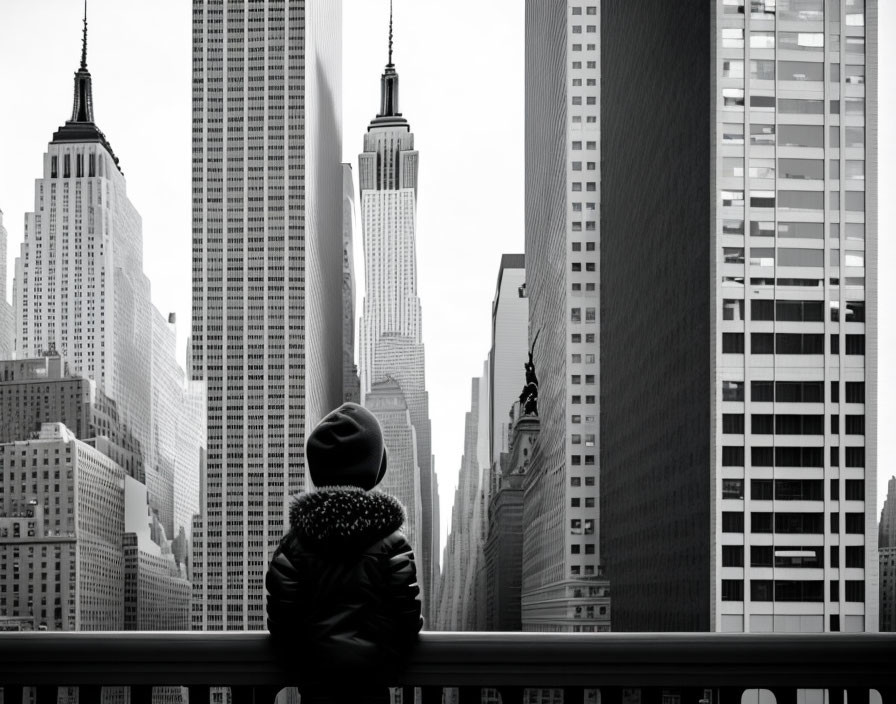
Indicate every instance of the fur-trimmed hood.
{"type": "Point", "coordinates": [344, 517]}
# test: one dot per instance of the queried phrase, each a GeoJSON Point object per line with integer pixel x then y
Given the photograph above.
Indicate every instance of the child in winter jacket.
{"type": "Point", "coordinates": [342, 585]}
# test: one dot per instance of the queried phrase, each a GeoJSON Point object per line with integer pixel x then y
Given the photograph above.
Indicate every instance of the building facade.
{"type": "Point", "coordinates": [390, 328]}
{"type": "Point", "coordinates": [510, 343]}
{"type": "Point", "coordinates": [561, 552]}
{"type": "Point", "coordinates": [887, 559]}
{"type": "Point", "coordinates": [738, 339]}
{"type": "Point", "coordinates": [61, 528]}
{"type": "Point", "coordinates": [7, 317]}
{"type": "Point", "coordinates": [504, 544]}
{"type": "Point", "coordinates": [267, 277]}
{"type": "Point", "coordinates": [351, 383]}
{"type": "Point", "coordinates": [387, 402]}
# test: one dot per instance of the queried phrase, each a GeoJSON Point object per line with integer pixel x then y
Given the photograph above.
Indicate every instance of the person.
{"type": "Point", "coordinates": [342, 585]}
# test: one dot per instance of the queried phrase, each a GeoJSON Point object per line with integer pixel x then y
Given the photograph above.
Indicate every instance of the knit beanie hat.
{"type": "Point", "coordinates": [346, 449]}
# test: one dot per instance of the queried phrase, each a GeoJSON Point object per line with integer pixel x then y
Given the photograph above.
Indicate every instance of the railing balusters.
{"type": "Point", "coordinates": [510, 695]}
{"type": "Point", "coordinates": [432, 695]}
{"type": "Point", "coordinates": [469, 695]}
{"type": "Point", "coordinates": [141, 694]}
{"type": "Point", "coordinates": [46, 694]}
{"type": "Point", "coordinates": [90, 694]}
{"type": "Point", "coordinates": [199, 694]}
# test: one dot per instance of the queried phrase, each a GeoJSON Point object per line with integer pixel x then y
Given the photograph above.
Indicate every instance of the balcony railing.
{"type": "Point", "coordinates": [692, 666]}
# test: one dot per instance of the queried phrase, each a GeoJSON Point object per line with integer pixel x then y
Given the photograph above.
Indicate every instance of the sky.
{"type": "Point", "coordinates": [461, 71]}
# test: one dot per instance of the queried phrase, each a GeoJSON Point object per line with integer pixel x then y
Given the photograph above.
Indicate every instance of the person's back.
{"type": "Point", "coordinates": [342, 586]}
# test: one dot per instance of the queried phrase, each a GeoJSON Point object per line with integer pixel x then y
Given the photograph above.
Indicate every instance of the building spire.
{"type": "Point", "coordinates": [84, 40]}
{"type": "Point", "coordinates": [390, 31]}
{"type": "Point", "coordinates": [82, 110]}
{"type": "Point", "coordinates": [389, 82]}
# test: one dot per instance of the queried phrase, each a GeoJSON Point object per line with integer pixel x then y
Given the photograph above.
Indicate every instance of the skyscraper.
{"type": "Point", "coordinates": [80, 288]}
{"type": "Point", "coordinates": [81, 293]}
{"type": "Point", "coordinates": [561, 556]}
{"type": "Point", "coordinates": [391, 339]}
{"type": "Point", "coordinates": [738, 306]}
{"type": "Point", "coordinates": [267, 277]}
{"type": "Point", "coordinates": [7, 334]}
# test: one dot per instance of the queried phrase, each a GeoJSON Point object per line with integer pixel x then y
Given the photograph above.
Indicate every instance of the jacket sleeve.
{"type": "Point", "coordinates": [403, 590]}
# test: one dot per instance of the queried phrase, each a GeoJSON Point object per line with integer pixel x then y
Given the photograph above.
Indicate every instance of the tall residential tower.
{"type": "Point", "coordinates": [267, 277]}
{"type": "Point", "coordinates": [391, 336]}
{"type": "Point", "coordinates": [561, 555]}
{"type": "Point", "coordinates": [739, 314]}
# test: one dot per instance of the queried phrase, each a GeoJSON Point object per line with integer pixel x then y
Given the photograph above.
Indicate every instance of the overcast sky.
{"type": "Point", "coordinates": [461, 68]}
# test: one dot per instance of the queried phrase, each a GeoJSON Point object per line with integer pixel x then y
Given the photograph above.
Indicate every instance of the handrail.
{"type": "Point", "coordinates": [463, 659]}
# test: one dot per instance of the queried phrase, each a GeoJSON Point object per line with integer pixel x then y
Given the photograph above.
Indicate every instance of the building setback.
{"type": "Point", "coordinates": [560, 511]}
{"type": "Point", "coordinates": [267, 278]}
{"type": "Point", "coordinates": [390, 328]}
{"type": "Point", "coordinates": [738, 299]}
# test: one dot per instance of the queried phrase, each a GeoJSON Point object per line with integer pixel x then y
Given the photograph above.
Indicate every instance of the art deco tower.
{"type": "Point", "coordinates": [79, 277]}
{"type": "Point", "coordinates": [267, 277]}
{"type": "Point", "coordinates": [390, 330]}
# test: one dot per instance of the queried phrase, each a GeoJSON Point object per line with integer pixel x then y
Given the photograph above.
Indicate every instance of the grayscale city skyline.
{"type": "Point", "coordinates": [462, 79]}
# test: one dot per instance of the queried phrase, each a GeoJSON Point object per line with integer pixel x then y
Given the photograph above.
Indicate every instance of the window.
{"type": "Point", "coordinates": [855, 391]}
{"type": "Point", "coordinates": [732, 488]}
{"type": "Point", "coordinates": [761, 134]}
{"type": "Point", "coordinates": [800, 136]}
{"type": "Point", "coordinates": [855, 424]}
{"type": "Point", "coordinates": [761, 424]}
{"type": "Point", "coordinates": [762, 343]}
{"type": "Point", "coordinates": [801, 41]}
{"type": "Point", "coordinates": [732, 456]}
{"type": "Point", "coordinates": [733, 423]}
{"type": "Point", "coordinates": [732, 38]}
{"type": "Point", "coordinates": [733, 133]}
{"type": "Point", "coordinates": [761, 589]}
{"type": "Point", "coordinates": [793, 590]}
{"type": "Point", "coordinates": [814, 230]}
{"type": "Point", "coordinates": [762, 40]}
{"type": "Point", "coordinates": [761, 522]}
{"type": "Point", "coordinates": [855, 556]}
{"type": "Point", "coordinates": [855, 590]}
{"type": "Point", "coordinates": [762, 69]}
{"type": "Point", "coordinates": [855, 456]}
{"type": "Point", "coordinates": [732, 556]}
{"type": "Point", "coordinates": [800, 10]}
{"type": "Point", "coordinates": [761, 490]}
{"type": "Point", "coordinates": [733, 342]}
{"type": "Point", "coordinates": [801, 168]}
{"type": "Point", "coordinates": [801, 200]}
{"type": "Point", "coordinates": [732, 68]}
{"type": "Point", "coordinates": [732, 522]}
{"type": "Point", "coordinates": [855, 489]}
{"type": "Point", "coordinates": [732, 590]}
{"type": "Point", "coordinates": [732, 391]}
{"type": "Point", "coordinates": [761, 556]}
{"type": "Point", "coordinates": [733, 308]}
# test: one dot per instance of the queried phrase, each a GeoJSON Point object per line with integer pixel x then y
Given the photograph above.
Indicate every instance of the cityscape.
{"type": "Point", "coordinates": [624, 344]}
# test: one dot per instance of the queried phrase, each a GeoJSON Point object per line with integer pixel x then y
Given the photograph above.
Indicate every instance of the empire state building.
{"type": "Point", "coordinates": [390, 327]}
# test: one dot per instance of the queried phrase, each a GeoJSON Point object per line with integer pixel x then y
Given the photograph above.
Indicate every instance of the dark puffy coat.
{"type": "Point", "coordinates": [342, 584]}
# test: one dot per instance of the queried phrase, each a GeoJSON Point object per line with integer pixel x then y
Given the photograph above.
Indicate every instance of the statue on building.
{"type": "Point", "coordinates": [529, 394]}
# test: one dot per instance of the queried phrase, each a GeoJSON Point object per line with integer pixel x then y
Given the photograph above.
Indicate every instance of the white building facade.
{"type": "Point", "coordinates": [561, 549]}
{"type": "Point", "coordinates": [390, 328]}
{"type": "Point", "coordinates": [267, 278]}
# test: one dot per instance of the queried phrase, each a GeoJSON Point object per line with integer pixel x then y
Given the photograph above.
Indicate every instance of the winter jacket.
{"type": "Point", "coordinates": [342, 584]}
